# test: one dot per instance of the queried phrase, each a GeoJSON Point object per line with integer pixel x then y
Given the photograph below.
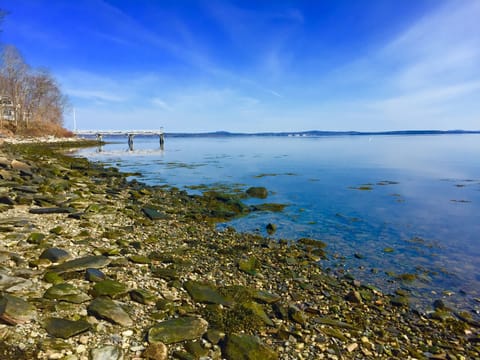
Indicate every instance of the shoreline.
{"type": "Point", "coordinates": [163, 260]}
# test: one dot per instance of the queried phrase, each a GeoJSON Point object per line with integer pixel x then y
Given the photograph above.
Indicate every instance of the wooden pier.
{"type": "Point", "coordinates": [99, 134]}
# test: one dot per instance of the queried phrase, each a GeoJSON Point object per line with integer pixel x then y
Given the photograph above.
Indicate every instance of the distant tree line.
{"type": "Point", "coordinates": [29, 98]}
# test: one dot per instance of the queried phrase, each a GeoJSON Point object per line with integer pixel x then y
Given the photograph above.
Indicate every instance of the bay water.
{"type": "Point", "coordinates": [396, 212]}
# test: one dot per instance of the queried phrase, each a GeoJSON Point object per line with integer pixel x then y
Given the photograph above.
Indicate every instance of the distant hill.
{"type": "Point", "coordinates": [316, 133]}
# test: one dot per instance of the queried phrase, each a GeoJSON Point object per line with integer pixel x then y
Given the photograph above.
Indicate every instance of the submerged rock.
{"type": "Point", "coordinates": [271, 228]}
{"type": "Point", "coordinates": [257, 192]}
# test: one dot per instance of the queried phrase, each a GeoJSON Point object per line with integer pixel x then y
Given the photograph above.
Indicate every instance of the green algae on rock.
{"type": "Point", "coordinates": [64, 328]}
{"type": "Point", "coordinates": [247, 347]}
{"type": "Point", "coordinates": [110, 310]}
{"type": "Point", "coordinates": [177, 330]}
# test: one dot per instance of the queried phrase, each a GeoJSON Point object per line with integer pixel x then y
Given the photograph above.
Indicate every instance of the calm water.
{"type": "Point", "coordinates": [420, 197]}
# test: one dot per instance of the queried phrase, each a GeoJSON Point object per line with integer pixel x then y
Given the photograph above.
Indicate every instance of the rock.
{"type": "Point", "coordinates": [55, 254]}
{"type": "Point", "coordinates": [156, 351]}
{"type": "Point", "coordinates": [257, 192]}
{"type": "Point", "coordinates": [266, 297]}
{"type": "Point", "coordinates": [177, 330]}
{"type": "Point", "coordinates": [36, 238]}
{"type": "Point", "coordinates": [94, 275]}
{"type": "Point", "coordinates": [109, 352]}
{"type": "Point", "coordinates": [258, 311]}
{"type": "Point", "coordinates": [166, 273]}
{"type": "Point", "coordinates": [271, 228]}
{"type": "Point", "coordinates": [5, 163]}
{"type": "Point", "coordinates": [7, 200]}
{"type": "Point", "coordinates": [111, 288]}
{"type": "Point", "coordinates": [153, 214]}
{"type": "Point", "coordinates": [196, 349]}
{"type": "Point", "coordinates": [7, 281]}
{"type": "Point", "coordinates": [63, 328]}
{"type": "Point", "coordinates": [139, 259]}
{"type": "Point", "coordinates": [6, 175]}
{"type": "Point", "coordinates": [143, 297]}
{"type": "Point", "coordinates": [19, 165]}
{"type": "Point", "coordinates": [399, 301]}
{"type": "Point", "coordinates": [297, 315]}
{"type": "Point", "coordinates": [214, 336]}
{"type": "Point", "coordinates": [272, 207]}
{"type": "Point", "coordinates": [354, 297]}
{"type": "Point", "coordinates": [439, 305]}
{"type": "Point", "coordinates": [14, 310]}
{"type": "Point", "coordinates": [250, 265]}
{"type": "Point", "coordinates": [110, 310]}
{"type": "Point", "coordinates": [80, 264]}
{"type": "Point", "coordinates": [53, 278]}
{"type": "Point", "coordinates": [26, 189]}
{"type": "Point", "coordinates": [246, 347]}
{"type": "Point", "coordinates": [57, 230]}
{"type": "Point", "coordinates": [51, 210]}
{"type": "Point", "coordinates": [205, 293]}
{"type": "Point", "coordinates": [66, 292]}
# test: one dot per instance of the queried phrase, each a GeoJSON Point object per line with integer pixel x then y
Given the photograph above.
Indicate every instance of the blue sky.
{"type": "Point", "coordinates": [195, 66]}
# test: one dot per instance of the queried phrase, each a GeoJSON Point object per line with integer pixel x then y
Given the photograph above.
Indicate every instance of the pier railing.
{"type": "Point", "coordinates": [129, 133]}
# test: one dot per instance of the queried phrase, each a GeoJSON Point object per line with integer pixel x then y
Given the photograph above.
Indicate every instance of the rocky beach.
{"type": "Point", "coordinates": [94, 266]}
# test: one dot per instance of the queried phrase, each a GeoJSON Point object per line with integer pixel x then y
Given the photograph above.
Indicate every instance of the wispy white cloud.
{"type": "Point", "coordinates": [161, 104]}
{"type": "Point", "coordinates": [425, 77]}
{"type": "Point", "coordinates": [95, 95]}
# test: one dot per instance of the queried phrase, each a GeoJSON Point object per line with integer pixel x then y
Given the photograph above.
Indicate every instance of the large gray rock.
{"type": "Point", "coordinates": [80, 264]}
{"type": "Point", "coordinates": [63, 328]}
{"type": "Point", "coordinates": [177, 330]}
{"type": "Point", "coordinates": [14, 310]}
{"type": "Point", "coordinates": [110, 310]}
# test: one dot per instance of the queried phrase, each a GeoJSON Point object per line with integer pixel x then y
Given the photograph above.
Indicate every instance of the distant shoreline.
{"type": "Point", "coordinates": [310, 133]}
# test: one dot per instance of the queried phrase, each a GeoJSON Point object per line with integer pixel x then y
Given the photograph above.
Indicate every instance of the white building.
{"type": "Point", "coordinates": [7, 109]}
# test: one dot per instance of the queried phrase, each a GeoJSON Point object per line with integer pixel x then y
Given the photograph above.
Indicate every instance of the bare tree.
{"type": "Point", "coordinates": [14, 72]}
{"type": "Point", "coordinates": [46, 102]}
{"type": "Point", "coordinates": [35, 94]}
